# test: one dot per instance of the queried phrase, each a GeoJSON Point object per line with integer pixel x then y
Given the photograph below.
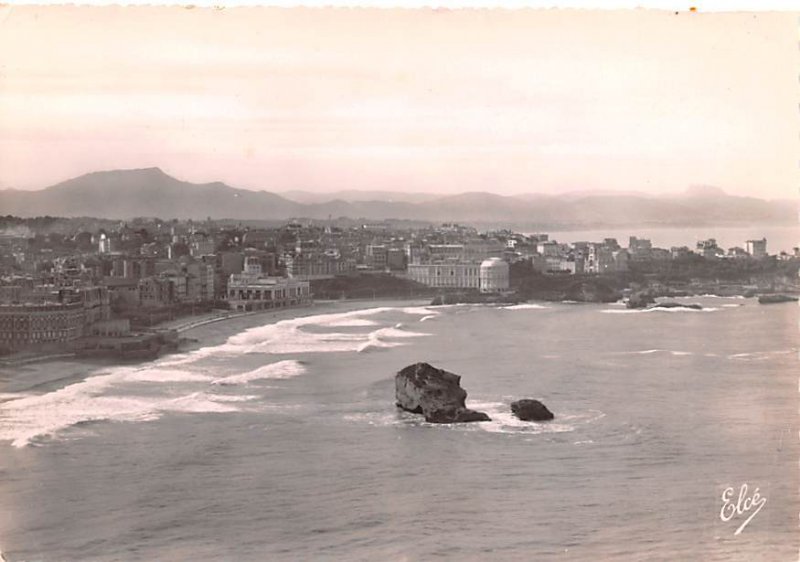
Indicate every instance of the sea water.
{"type": "Point", "coordinates": [282, 441]}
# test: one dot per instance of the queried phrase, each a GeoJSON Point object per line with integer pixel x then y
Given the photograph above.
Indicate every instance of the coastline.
{"type": "Point", "coordinates": [214, 331]}
{"type": "Point", "coordinates": [54, 370]}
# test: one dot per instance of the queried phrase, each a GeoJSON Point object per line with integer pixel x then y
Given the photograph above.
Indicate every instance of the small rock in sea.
{"type": "Point", "coordinates": [528, 409]}
{"type": "Point", "coordinates": [775, 299]}
{"type": "Point", "coordinates": [640, 300]}
{"type": "Point", "coordinates": [670, 304]}
{"type": "Point", "coordinates": [435, 393]}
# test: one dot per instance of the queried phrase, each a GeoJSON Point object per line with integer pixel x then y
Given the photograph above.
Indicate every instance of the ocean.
{"type": "Point", "coordinates": [779, 238]}
{"type": "Point", "coordinates": [281, 441]}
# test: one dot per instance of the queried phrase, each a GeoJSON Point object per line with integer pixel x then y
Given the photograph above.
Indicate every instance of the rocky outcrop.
{"type": "Point", "coordinates": [435, 393]}
{"type": "Point", "coordinates": [473, 298]}
{"type": "Point", "coordinates": [693, 306]}
{"type": "Point", "coordinates": [590, 291]}
{"type": "Point", "coordinates": [640, 300]}
{"type": "Point", "coordinates": [528, 409]}
{"type": "Point", "coordinates": [775, 299]}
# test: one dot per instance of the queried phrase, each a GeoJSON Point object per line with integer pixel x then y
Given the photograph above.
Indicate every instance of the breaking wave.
{"type": "Point", "coordinates": [651, 351]}
{"type": "Point", "coordinates": [280, 370]}
{"type": "Point", "coordinates": [146, 392]}
{"type": "Point", "coordinates": [289, 336]}
{"type": "Point", "coordinates": [657, 309]}
{"type": "Point", "coordinates": [524, 306]}
{"type": "Point", "coordinates": [31, 417]}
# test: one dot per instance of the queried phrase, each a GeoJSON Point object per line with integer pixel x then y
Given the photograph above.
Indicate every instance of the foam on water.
{"type": "Point", "coordinates": [23, 420]}
{"type": "Point", "coordinates": [6, 396]}
{"type": "Point", "coordinates": [31, 416]}
{"type": "Point", "coordinates": [760, 355]}
{"type": "Point", "coordinates": [280, 370]}
{"type": "Point", "coordinates": [232, 397]}
{"type": "Point", "coordinates": [195, 355]}
{"type": "Point", "coordinates": [650, 352]}
{"type": "Point", "coordinates": [349, 323]}
{"type": "Point", "coordinates": [421, 310]}
{"type": "Point", "coordinates": [156, 374]}
{"type": "Point", "coordinates": [524, 306]}
{"type": "Point", "coordinates": [377, 339]}
{"type": "Point", "coordinates": [657, 309]}
{"type": "Point", "coordinates": [288, 336]}
{"type": "Point", "coordinates": [197, 402]}
{"type": "Point", "coordinates": [503, 421]}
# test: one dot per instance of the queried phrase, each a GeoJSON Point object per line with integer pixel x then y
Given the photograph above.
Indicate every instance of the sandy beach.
{"type": "Point", "coordinates": [212, 330]}
{"type": "Point", "coordinates": [49, 372]}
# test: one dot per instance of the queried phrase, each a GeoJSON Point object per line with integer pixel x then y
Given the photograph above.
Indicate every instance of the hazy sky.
{"type": "Point", "coordinates": [415, 100]}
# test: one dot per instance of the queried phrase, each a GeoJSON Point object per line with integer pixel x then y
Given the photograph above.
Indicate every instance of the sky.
{"type": "Point", "coordinates": [505, 101]}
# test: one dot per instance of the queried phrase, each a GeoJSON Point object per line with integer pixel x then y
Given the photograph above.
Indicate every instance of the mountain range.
{"type": "Point", "coordinates": [149, 192]}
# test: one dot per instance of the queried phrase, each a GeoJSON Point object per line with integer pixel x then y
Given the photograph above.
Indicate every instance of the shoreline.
{"type": "Point", "coordinates": [217, 331]}
{"type": "Point", "coordinates": [207, 329]}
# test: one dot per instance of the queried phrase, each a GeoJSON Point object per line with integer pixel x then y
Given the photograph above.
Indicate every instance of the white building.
{"type": "Point", "coordinates": [104, 245]}
{"type": "Point", "coordinates": [757, 248]}
{"type": "Point", "coordinates": [253, 291]}
{"type": "Point", "coordinates": [446, 275]}
{"type": "Point", "coordinates": [494, 276]}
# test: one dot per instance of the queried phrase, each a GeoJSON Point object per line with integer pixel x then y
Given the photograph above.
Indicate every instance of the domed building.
{"type": "Point", "coordinates": [494, 276]}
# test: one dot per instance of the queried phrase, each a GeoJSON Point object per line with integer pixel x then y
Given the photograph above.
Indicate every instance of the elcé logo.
{"type": "Point", "coordinates": [743, 504]}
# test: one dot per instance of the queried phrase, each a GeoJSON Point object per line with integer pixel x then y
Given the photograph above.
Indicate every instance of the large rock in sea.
{"type": "Point", "coordinates": [528, 409]}
{"type": "Point", "coordinates": [434, 393]}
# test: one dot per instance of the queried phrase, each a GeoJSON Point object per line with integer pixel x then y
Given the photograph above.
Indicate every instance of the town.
{"type": "Point", "coordinates": [109, 288]}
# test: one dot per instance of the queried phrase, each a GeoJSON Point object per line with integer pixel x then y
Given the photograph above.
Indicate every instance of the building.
{"type": "Point", "coordinates": [202, 246]}
{"type": "Point", "coordinates": [757, 248]}
{"type": "Point", "coordinates": [446, 252]}
{"type": "Point", "coordinates": [22, 325]}
{"type": "Point", "coordinates": [489, 276]}
{"type": "Point", "coordinates": [494, 276]}
{"type": "Point", "coordinates": [548, 248]}
{"type": "Point", "coordinates": [377, 256]}
{"type": "Point", "coordinates": [709, 249]}
{"type": "Point", "coordinates": [317, 265]}
{"type": "Point", "coordinates": [67, 317]}
{"type": "Point", "coordinates": [639, 245]}
{"type": "Point", "coordinates": [396, 259]}
{"type": "Point", "coordinates": [104, 244]}
{"type": "Point", "coordinates": [251, 290]}
{"type": "Point", "coordinates": [551, 264]}
{"type": "Point", "coordinates": [156, 292]}
{"type": "Point", "coordinates": [601, 258]}
{"type": "Point", "coordinates": [446, 275]}
{"type": "Point", "coordinates": [737, 253]}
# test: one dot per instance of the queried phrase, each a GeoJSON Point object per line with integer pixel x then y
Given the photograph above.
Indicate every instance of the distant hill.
{"type": "Point", "coordinates": [122, 194]}
{"type": "Point", "coordinates": [145, 192]}
{"type": "Point", "coordinates": [355, 195]}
